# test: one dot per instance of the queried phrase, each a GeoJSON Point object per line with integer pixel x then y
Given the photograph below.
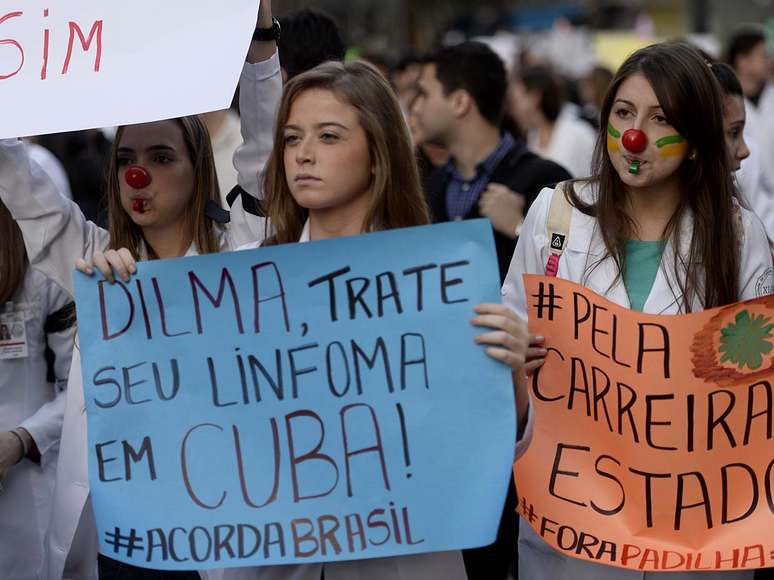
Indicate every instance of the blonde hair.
{"type": "Point", "coordinates": [397, 195]}
{"type": "Point", "coordinates": [124, 233]}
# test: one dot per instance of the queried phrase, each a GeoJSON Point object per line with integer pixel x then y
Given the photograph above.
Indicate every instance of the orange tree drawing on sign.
{"type": "Point", "coordinates": [745, 341]}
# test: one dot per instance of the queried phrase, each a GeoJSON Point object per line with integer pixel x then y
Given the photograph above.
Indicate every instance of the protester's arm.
{"type": "Point", "coordinates": [507, 341]}
{"type": "Point", "coordinates": [56, 233]}
{"type": "Point", "coordinates": [529, 257]}
{"type": "Point", "coordinates": [262, 50]}
{"type": "Point", "coordinates": [45, 425]}
{"type": "Point", "coordinates": [260, 90]}
{"type": "Point", "coordinates": [530, 254]}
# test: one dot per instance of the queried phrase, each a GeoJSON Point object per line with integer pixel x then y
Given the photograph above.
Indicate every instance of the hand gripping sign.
{"type": "Point", "coordinates": [66, 66]}
{"type": "Point", "coordinates": [298, 403]}
{"type": "Point", "coordinates": [651, 439]}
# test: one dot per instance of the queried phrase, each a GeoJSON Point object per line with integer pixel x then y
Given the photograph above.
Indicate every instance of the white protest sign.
{"type": "Point", "coordinates": [78, 64]}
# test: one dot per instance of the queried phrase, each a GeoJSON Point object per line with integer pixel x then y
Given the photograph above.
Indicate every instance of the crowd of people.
{"type": "Point", "coordinates": [324, 147]}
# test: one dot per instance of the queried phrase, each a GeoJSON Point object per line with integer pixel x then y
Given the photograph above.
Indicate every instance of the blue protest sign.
{"type": "Point", "coordinates": [299, 403]}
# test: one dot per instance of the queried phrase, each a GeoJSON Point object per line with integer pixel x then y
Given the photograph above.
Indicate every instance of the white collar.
{"type": "Point", "coordinates": [306, 234]}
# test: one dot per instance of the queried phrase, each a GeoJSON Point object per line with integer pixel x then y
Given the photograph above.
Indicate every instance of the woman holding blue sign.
{"type": "Point", "coordinates": [343, 165]}
{"type": "Point", "coordinates": [644, 230]}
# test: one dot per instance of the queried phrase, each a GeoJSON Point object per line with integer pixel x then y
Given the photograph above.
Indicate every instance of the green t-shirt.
{"type": "Point", "coordinates": [642, 261]}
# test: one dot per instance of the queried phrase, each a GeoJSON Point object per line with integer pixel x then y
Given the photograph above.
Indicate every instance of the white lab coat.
{"type": "Point", "coordinates": [260, 91]}
{"type": "Point", "coordinates": [538, 561]}
{"type": "Point", "coordinates": [27, 400]}
{"type": "Point", "coordinates": [432, 566]}
{"type": "Point", "coordinates": [56, 233]}
{"type": "Point", "coordinates": [52, 166]}
{"type": "Point", "coordinates": [571, 146]}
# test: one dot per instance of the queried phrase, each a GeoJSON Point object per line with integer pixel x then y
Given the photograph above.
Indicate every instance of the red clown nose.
{"type": "Point", "coordinates": [634, 140]}
{"type": "Point", "coordinates": [137, 177]}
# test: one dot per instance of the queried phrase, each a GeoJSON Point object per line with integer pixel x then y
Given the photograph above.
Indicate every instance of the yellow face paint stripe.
{"type": "Point", "coordinates": [671, 146]}
{"type": "Point", "coordinates": [612, 137]}
{"type": "Point", "coordinates": [673, 150]}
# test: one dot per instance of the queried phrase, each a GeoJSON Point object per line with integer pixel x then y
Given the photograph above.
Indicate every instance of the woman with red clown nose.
{"type": "Point", "coordinates": [163, 202]}
{"type": "Point", "coordinates": [643, 231]}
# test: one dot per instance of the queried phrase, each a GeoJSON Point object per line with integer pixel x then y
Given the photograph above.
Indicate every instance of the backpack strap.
{"type": "Point", "coordinates": [557, 228]}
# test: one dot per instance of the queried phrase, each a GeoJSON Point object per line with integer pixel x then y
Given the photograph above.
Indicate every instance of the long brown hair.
{"type": "Point", "coordinates": [397, 196]}
{"type": "Point", "coordinates": [692, 103]}
{"type": "Point", "coordinates": [124, 233]}
{"type": "Point", "coordinates": [13, 256]}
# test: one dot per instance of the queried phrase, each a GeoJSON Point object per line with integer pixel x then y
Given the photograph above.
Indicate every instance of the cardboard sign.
{"type": "Point", "coordinates": [66, 66]}
{"type": "Point", "coordinates": [651, 446]}
{"type": "Point", "coordinates": [298, 403]}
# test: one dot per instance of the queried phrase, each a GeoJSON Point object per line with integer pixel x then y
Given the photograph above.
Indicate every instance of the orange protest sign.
{"type": "Point", "coordinates": [651, 439]}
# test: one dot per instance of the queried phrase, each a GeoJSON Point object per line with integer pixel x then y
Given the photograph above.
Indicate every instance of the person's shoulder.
{"type": "Point", "coordinates": [524, 163]}
{"type": "Point", "coordinates": [767, 97]}
{"type": "Point", "coordinates": [434, 179]}
{"type": "Point", "coordinates": [43, 291]}
{"type": "Point", "coordinates": [549, 169]}
{"type": "Point", "coordinates": [585, 190]}
{"type": "Point", "coordinates": [756, 273]}
{"type": "Point", "coordinates": [539, 210]}
{"type": "Point", "coordinates": [536, 225]}
{"type": "Point", "coordinates": [751, 226]}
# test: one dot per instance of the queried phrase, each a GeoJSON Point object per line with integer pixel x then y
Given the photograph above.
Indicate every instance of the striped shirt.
{"type": "Point", "coordinates": [462, 194]}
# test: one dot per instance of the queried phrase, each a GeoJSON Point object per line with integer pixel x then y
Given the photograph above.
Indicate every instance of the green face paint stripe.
{"type": "Point", "coordinates": [669, 140]}
{"type": "Point", "coordinates": [612, 131]}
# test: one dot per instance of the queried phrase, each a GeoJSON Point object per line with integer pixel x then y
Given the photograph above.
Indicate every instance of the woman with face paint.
{"type": "Point", "coordinates": [660, 209]}
{"type": "Point", "coordinates": [162, 194]}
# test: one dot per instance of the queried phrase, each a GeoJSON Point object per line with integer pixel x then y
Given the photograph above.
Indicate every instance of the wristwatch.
{"type": "Point", "coordinates": [271, 33]}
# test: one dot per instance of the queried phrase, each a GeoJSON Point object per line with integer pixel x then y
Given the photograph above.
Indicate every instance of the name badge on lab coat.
{"type": "Point", "coordinates": [13, 332]}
